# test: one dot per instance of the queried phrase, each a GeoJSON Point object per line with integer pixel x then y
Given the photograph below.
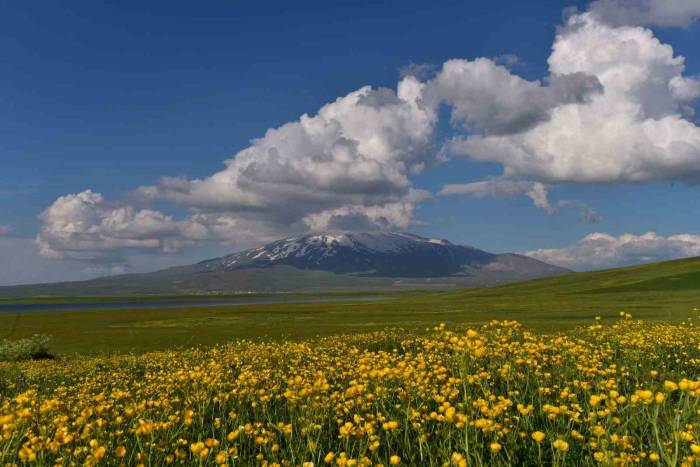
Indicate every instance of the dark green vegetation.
{"type": "Point", "coordinates": [664, 291]}
{"type": "Point", "coordinates": [26, 348]}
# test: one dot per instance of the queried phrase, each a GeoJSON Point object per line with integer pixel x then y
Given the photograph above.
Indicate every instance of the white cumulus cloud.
{"type": "Point", "coordinates": [488, 96]}
{"type": "Point", "coordinates": [355, 153]}
{"type": "Point", "coordinates": [349, 164]}
{"type": "Point", "coordinates": [601, 250]}
{"type": "Point", "coordinates": [83, 226]}
{"type": "Point", "coordinates": [636, 130]}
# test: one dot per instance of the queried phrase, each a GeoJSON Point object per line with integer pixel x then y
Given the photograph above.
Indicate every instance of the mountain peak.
{"type": "Point", "coordinates": [375, 240]}
{"type": "Point", "coordinates": [374, 253]}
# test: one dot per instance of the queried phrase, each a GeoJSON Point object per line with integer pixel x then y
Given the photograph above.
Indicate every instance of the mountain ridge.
{"type": "Point", "coordinates": [382, 254]}
{"type": "Point", "coordinates": [320, 262]}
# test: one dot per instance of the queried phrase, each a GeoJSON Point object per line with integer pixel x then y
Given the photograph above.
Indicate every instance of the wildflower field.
{"type": "Point", "coordinates": [622, 392]}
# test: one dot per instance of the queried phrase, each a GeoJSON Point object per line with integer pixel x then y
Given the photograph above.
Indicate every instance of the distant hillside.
{"type": "Point", "coordinates": [319, 263]}
{"type": "Point", "coordinates": [681, 275]}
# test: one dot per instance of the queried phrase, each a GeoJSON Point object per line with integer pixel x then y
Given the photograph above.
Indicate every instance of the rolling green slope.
{"type": "Point", "coordinates": [676, 275]}
{"type": "Point", "coordinates": [664, 291]}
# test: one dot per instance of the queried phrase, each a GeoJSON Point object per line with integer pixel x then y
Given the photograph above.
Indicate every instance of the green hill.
{"type": "Point", "coordinates": [676, 275]}
{"type": "Point", "coordinates": [668, 289]}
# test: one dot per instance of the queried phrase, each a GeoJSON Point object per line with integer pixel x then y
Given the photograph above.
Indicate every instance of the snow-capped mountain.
{"type": "Point", "coordinates": [388, 254]}
{"type": "Point", "coordinates": [337, 261]}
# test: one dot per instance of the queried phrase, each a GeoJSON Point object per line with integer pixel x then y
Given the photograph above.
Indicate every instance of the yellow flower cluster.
{"type": "Point", "coordinates": [610, 394]}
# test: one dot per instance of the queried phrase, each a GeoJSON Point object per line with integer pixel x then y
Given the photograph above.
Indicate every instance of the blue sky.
{"type": "Point", "coordinates": [112, 96]}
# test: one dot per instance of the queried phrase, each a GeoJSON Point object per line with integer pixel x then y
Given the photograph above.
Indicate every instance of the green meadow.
{"type": "Point", "coordinates": [664, 291]}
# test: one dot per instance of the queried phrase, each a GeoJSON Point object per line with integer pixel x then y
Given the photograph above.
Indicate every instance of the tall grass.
{"type": "Point", "coordinates": [621, 393]}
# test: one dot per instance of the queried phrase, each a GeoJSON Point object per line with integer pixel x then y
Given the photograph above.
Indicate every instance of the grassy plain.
{"type": "Point", "coordinates": [664, 291]}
